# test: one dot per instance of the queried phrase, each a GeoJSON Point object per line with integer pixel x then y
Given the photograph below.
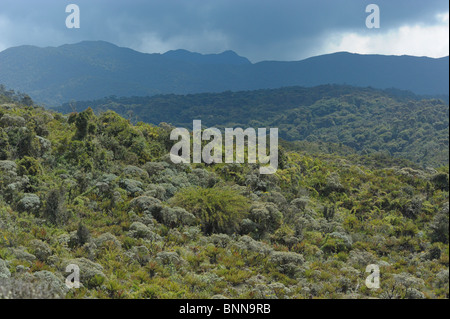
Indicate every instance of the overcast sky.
{"type": "Point", "coordinates": [257, 29]}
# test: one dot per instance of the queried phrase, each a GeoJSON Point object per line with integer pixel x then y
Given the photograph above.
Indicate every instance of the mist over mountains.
{"type": "Point", "coordinates": [92, 70]}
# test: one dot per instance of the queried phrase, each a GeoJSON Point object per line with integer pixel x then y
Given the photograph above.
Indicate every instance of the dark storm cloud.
{"type": "Point", "coordinates": [258, 29]}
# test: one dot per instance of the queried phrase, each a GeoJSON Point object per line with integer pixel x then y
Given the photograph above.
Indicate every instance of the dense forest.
{"type": "Point", "coordinates": [97, 190]}
{"type": "Point", "coordinates": [393, 122]}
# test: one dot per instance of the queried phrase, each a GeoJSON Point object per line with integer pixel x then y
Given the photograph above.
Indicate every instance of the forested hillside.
{"type": "Point", "coordinates": [101, 193]}
{"type": "Point", "coordinates": [393, 122]}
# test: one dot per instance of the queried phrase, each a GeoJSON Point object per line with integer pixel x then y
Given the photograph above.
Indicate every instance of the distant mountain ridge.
{"type": "Point", "coordinates": [228, 57]}
{"type": "Point", "coordinates": [95, 69]}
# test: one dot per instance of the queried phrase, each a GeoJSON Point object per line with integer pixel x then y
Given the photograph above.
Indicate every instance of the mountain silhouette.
{"type": "Point", "coordinates": [95, 69]}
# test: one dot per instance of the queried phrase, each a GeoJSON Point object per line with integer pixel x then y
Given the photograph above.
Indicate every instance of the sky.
{"type": "Point", "coordinates": [283, 30]}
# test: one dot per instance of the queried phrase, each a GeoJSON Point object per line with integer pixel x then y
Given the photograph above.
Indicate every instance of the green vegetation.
{"type": "Point", "coordinates": [220, 210]}
{"type": "Point", "coordinates": [101, 193]}
{"type": "Point", "coordinates": [366, 121]}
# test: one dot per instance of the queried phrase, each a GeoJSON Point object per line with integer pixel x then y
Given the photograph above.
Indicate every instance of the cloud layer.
{"type": "Point", "coordinates": [257, 29]}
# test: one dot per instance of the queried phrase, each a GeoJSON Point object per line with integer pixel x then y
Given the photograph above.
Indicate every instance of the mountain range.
{"type": "Point", "coordinates": [366, 120]}
{"type": "Point", "coordinates": [97, 69]}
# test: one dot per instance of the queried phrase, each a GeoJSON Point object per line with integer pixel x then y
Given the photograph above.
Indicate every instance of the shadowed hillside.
{"type": "Point", "coordinates": [397, 123]}
{"type": "Point", "coordinates": [92, 70]}
{"type": "Point", "coordinates": [101, 193]}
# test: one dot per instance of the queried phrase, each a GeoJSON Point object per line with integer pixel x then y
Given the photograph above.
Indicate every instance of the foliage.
{"type": "Point", "coordinates": [103, 194]}
{"type": "Point", "coordinates": [220, 210]}
{"type": "Point", "coordinates": [334, 118]}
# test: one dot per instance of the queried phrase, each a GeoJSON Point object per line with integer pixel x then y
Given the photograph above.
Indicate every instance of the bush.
{"type": "Point", "coordinates": [139, 230]}
{"type": "Point", "coordinates": [413, 208]}
{"type": "Point", "coordinates": [333, 184]}
{"type": "Point", "coordinates": [220, 210]}
{"type": "Point", "coordinates": [140, 253]}
{"type": "Point", "coordinates": [248, 244]}
{"type": "Point", "coordinates": [82, 123]}
{"type": "Point", "coordinates": [29, 166]}
{"type": "Point", "coordinates": [300, 203]}
{"type": "Point", "coordinates": [91, 274]}
{"type": "Point", "coordinates": [25, 143]}
{"type": "Point", "coordinates": [176, 216]}
{"type": "Point", "coordinates": [4, 145]}
{"type": "Point", "coordinates": [440, 181]}
{"type": "Point", "coordinates": [12, 120]}
{"type": "Point", "coordinates": [4, 271]}
{"type": "Point", "coordinates": [131, 186]}
{"type": "Point", "coordinates": [156, 191]}
{"type": "Point", "coordinates": [167, 258]}
{"type": "Point", "coordinates": [19, 289]}
{"type": "Point", "coordinates": [105, 238]}
{"type": "Point", "coordinates": [29, 203]}
{"type": "Point", "coordinates": [288, 263]}
{"type": "Point", "coordinates": [266, 216]}
{"type": "Point", "coordinates": [83, 234]}
{"type": "Point", "coordinates": [41, 250]}
{"type": "Point", "coordinates": [54, 285]}
{"type": "Point", "coordinates": [54, 210]}
{"type": "Point", "coordinates": [146, 204]}
{"type": "Point", "coordinates": [439, 226]}
{"type": "Point", "coordinates": [329, 212]}
{"type": "Point", "coordinates": [134, 171]}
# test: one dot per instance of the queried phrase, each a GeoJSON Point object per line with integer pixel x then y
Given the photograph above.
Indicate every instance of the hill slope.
{"type": "Point", "coordinates": [367, 120]}
{"type": "Point", "coordinates": [90, 70]}
{"type": "Point", "coordinates": [100, 193]}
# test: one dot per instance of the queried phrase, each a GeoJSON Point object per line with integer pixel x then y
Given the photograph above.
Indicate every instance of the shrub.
{"type": "Point", "coordinates": [41, 250]}
{"type": "Point", "coordinates": [247, 243]}
{"type": "Point", "coordinates": [110, 238]}
{"type": "Point", "coordinates": [439, 226]}
{"type": "Point", "coordinates": [82, 123]}
{"type": "Point", "coordinates": [29, 203]}
{"type": "Point", "coordinates": [29, 166]}
{"type": "Point", "coordinates": [139, 230]}
{"type": "Point", "coordinates": [156, 191]}
{"type": "Point", "coordinates": [51, 283]}
{"type": "Point", "coordinates": [266, 216]}
{"type": "Point", "coordinates": [300, 203]}
{"type": "Point", "coordinates": [167, 257]}
{"type": "Point", "coordinates": [220, 240]}
{"type": "Point", "coordinates": [54, 210]}
{"type": "Point", "coordinates": [131, 186]}
{"type": "Point", "coordinates": [134, 171]}
{"type": "Point", "coordinates": [12, 120]}
{"type": "Point", "coordinates": [329, 212]}
{"type": "Point", "coordinates": [154, 168]}
{"type": "Point", "coordinates": [4, 271]}
{"type": "Point", "coordinates": [176, 216]}
{"type": "Point", "coordinates": [146, 204]}
{"type": "Point", "coordinates": [220, 210]}
{"type": "Point", "coordinates": [361, 258]}
{"type": "Point", "coordinates": [413, 208]}
{"type": "Point", "coordinates": [25, 145]}
{"type": "Point", "coordinates": [4, 145]}
{"type": "Point", "coordinates": [440, 181]}
{"type": "Point", "coordinates": [442, 279]}
{"type": "Point", "coordinates": [20, 289]}
{"type": "Point", "coordinates": [139, 253]}
{"type": "Point", "coordinates": [333, 184]}
{"type": "Point", "coordinates": [83, 234]}
{"type": "Point", "coordinates": [91, 274]}
{"type": "Point", "coordinates": [287, 262]}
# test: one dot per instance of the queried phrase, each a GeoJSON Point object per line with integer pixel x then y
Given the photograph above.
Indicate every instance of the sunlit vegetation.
{"type": "Point", "coordinates": [100, 192]}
